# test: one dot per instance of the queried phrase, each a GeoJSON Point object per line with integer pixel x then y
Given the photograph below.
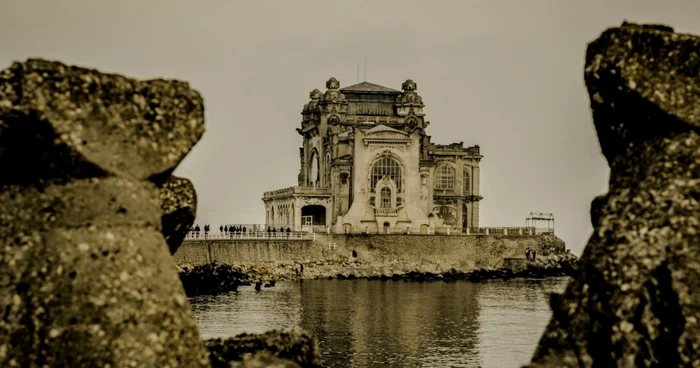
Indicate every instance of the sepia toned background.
{"type": "Point", "coordinates": [506, 75]}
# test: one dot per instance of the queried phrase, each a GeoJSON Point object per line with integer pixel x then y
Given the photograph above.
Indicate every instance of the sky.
{"type": "Point", "coordinates": [506, 75]}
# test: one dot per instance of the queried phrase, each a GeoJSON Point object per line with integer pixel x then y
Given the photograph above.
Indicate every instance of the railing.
{"type": "Point", "coordinates": [386, 211]}
{"type": "Point", "coordinates": [296, 190]}
{"type": "Point", "coordinates": [252, 235]}
{"type": "Point", "coordinates": [308, 232]}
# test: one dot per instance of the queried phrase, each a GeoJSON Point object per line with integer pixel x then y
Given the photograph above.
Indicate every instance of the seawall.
{"type": "Point", "coordinates": [439, 252]}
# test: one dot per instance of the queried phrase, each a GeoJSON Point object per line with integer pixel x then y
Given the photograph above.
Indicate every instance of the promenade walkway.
{"type": "Point", "coordinates": [309, 234]}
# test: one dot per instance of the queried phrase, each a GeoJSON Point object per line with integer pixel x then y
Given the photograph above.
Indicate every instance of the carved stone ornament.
{"type": "Point", "coordinates": [333, 83]}
{"type": "Point", "coordinates": [409, 85]}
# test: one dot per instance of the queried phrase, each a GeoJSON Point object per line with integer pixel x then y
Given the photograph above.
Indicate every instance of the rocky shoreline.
{"type": "Point", "coordinates": [215, 278]}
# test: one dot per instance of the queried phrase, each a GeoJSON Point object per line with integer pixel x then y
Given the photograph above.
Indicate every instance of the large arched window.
{"type": "Point", "coordinates": [466, 189]}
{"type": "Point", "coordinates": [388, 167]}
{"type": "Point", "coordinates": [445, 177]}
{"type": "Point", "coordinates": [385, 198]}
{"type": "Point", "coordinates": [313, 179]}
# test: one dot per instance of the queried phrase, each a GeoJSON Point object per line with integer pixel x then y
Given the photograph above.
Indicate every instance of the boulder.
{"type": "Point", "coordinates": [178, 201]}
{"type": "Point", "coordinates": [636, 297]}
{"type": "Point", "coordinates": [87, 278]}
{"type": "Point", "coordinates": [270, 349]}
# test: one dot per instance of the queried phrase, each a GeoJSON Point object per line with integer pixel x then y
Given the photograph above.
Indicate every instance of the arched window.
{"type": "Point", "coordinates": [385, 196]}
{"type": "Point", "coordinates": [466, 189]}
{"type": "Point", "coordinates": [314, 169]}
{"type": "Point", "coordinates": [445, 177]}
{"type": "Point", "coordinates": [385, 166]}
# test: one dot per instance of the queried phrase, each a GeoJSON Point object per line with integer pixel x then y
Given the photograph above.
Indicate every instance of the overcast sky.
{"type": "Point", "coordinates": [506, 75]}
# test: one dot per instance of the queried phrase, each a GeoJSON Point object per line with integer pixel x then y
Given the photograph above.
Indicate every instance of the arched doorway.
{"type": "Point", "coordinates": [348, 228]}
{"type": "Point", "coordinates": [313, 215]}
{"type": "Point", "coordinates": [424, 229]}
{"type": "Point", "coordinates": [386, 228]}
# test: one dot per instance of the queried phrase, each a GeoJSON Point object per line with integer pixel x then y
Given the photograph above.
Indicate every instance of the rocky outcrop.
{"type": "Point", "coordinates": [636, 299]}
{"type": "Point", "coordinates": [212, 279]}
{"type": "Point", "coordinates": [271, 349]}
{"type": "Point", "coordinates": [220, 278]}
{"type": "Point", "coordinates": [87, 278]}
{"type": "Point", "coordinates": [178, 201]}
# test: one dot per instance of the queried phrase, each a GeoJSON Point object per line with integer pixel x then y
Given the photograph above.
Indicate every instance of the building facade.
{"type": "Point", "coordinates": [368, 166]}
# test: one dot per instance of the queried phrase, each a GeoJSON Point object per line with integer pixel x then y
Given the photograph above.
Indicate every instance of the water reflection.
{"type": "Point", "coordinates": [394, 324]}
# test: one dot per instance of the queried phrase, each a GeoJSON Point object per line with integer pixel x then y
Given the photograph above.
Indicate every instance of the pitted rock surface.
{"type": "Point", "coordinates": [86, 278]}
{"type": "Point", "coordinates": [70, 122]}
{"type": "Point", "coordinates": [179, 205]}
{"type": "Point", "coordinates": [636, 299]}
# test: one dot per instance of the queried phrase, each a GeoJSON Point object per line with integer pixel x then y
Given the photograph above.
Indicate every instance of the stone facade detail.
{"type": "Point", "coordinates": [368, 166]}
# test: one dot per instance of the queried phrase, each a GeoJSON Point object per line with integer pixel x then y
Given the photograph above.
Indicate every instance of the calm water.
{"type": "Point", "coordinates": [362, 323]}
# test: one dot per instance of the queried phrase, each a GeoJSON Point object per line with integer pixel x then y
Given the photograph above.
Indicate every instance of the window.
{"type": "Point", "coordinates": [385, 166]}
{"type": "Point", "coordinates": [445, 177]}
{"type": "Point", "coordinates": [467, 184]}
{"type": "Point", "coordinates": [314, 169]}
{"type": "Point", "coordinates": [385, 198]}
{"type": "Point", "coordinates": [328, 170]}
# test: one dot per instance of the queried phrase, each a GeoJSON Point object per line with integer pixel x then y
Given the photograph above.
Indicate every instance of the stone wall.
{"type": "Point", "coordinates": [459, 251]}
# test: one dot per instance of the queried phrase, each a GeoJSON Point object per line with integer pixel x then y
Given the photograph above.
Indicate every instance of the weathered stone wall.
{"type": "Point", "coordinates": [249, 251]}
{"type": "Point", "coordinates": [463, 252]}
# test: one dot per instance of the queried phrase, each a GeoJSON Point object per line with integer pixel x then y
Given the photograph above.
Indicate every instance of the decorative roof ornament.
{"type": "Point", "coordinates": [333, 83]}
{"type": "Point", "coordinates": [409, 97]}
{"type": "Point", "coordinates": [409, 85]}
{"type": "Point", "coordinates": [333, 93]}
{"type": "Point", "coordinates": [315, 94]}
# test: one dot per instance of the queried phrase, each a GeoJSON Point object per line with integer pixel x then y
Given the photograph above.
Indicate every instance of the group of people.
{"type": "Point", "coordinates": [273, 230]}
{"type": "Point", "coordinates": [531, 254]}
{"type": "Point", "coordinates": [197, 229]}
{"type": "Point", "coordinates": [232, 229]}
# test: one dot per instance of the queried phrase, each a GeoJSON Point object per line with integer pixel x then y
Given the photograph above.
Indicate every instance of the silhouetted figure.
{"type": "Point", "coordinates": [354, 253]}
{"type": "Point", "coordinates": [301, 270]}
{"type": "Point", "coordinates": [196, 231]}
{"type": "Point", "coordinates": [274, 230]}
{"type": "Point", "coordinates": [281, 229]}
{"type": "Point", "coordinates": [534, 255]}
{"type": "Point", "coordinates": [527, 254]}
{"type": "Point", "coordinates": [258, 285]}
{"type": "Point", "coordinates": [243, 230]}
{"type": "Point", "coordinates": [289, 230]}
{"type": "Point", "coordinates": [226, 229]}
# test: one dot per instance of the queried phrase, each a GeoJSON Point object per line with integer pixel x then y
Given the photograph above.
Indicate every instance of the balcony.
{"type": "Point", "coordinates": [386, 211]}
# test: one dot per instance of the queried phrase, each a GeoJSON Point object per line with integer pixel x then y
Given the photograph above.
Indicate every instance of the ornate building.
{"type": "Point", "coordinates": [367, 165]}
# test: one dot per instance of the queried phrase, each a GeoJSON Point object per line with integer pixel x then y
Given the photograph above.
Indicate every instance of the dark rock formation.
{"type": "Point", "coordinates": [212, 279]}
{"type": "Point", "coordinates": [87, 279]}
{"type": "Point", "coordinates": [274, 348]}
{"type": "Point", "coordinates": [636, 300]}
{"type": "Point", "coordinates": [179, 205]}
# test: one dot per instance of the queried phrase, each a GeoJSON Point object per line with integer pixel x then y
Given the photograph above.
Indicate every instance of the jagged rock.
{"type": "Point", "coordinates": [276, 348]}
{"type": "Point", "coordinates": [179, 205]}
{"type": "Point", "coordinates": [636, 299]}
{"type": "Point", "coordinates": [86, 276]}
